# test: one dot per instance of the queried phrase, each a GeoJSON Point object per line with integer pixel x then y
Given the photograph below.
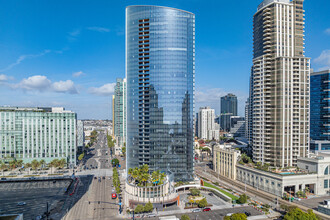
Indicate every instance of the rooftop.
{"type": "Point", "coordinates": [267, 2]}
{"type": "Point", "coordinates": [35, 109]}
{"type": "Point", "coordinates": [157, 6]}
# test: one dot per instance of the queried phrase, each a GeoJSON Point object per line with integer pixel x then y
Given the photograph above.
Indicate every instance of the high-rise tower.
{"type": "Point", "coordinates": [119, 124]}
{"type": "Point", "coordinates": [280, 86]}
{"type": "Point", "coordinates": [160, 72]}
{"type": "Point", "coordinates": [228, 108]}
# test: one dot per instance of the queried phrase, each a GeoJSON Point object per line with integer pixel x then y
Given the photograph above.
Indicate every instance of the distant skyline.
{"type": "Point", "coordinates": [69, 53]}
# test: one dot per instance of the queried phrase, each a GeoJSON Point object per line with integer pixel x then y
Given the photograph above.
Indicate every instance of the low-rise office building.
{"type": "Point", "coordinates": [312, 175]}
{"type": "Point", "coordinates": [38, 133]}
{"type": "Point", "coordinates": [224, 160]}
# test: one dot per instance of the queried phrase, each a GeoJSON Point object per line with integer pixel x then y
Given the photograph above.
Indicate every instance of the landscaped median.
{"type": "Point", "coordinates": [221, 190]}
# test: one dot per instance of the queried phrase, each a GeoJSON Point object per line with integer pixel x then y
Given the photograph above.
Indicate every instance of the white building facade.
{"type": "Point", "coordinates": [206, 124]}
{"type": "Point", "coordinates": [38, 133]}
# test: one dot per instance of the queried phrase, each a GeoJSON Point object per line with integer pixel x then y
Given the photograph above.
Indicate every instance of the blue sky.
{"type": "Point", "coordinates": [70, 52]}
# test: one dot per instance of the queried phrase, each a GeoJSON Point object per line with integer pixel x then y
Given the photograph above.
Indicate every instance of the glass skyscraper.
{"type": "Point", "coordinates": [160, 72]}
{"type": "Point", "coordinates": [320, 106]}
{"type": "Point", "coordinates": [229, 104]}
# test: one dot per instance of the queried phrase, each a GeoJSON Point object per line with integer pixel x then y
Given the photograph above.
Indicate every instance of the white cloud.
{"type": "Point", "coordinates": [99, 29]}
{"type": "Point", "coordinates": [104, 90]}
{"type": "Point", "coordinates": [22, 58]}
{"type": "Point", "coordinates": [64, 87]}
{"type": "Point", "coordinates": [203, 95]}
{"type": "Point", "coordinates": [3, 77]}
{"type": "Point", "coordinates": [327, 31]}
{"type": "Point", "coordinates": [42, 84]}
{"type": "Point", "coordinates": [37, 82]}
{"type": "Point", "coordinates": [77, 74]}
{"type": "Point", "coordinates": [75, 32]}
{"type": "Point", "coordinates": [323, 60]}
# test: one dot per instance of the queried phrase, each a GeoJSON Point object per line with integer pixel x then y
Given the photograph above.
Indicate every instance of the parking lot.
{"type": "Point", "coordinates": [36, 194]}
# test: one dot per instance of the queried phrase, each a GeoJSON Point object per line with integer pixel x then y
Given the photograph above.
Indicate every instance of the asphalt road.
{"type": "Point", "coordinates": [97, 202]}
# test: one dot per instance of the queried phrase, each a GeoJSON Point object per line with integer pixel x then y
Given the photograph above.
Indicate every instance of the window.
{"type": "Point", "coordinates": [326, 171]}
{"type": "Point", "coordinates": [326, 184]}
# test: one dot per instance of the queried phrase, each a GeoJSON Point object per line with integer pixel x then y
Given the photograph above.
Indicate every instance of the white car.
{"type": "Point", "coordinates": [229, 214]}
{"type": "Point", "coordinates": [151, 215]}
{"type": "Point", "coordinates": [196, 210]}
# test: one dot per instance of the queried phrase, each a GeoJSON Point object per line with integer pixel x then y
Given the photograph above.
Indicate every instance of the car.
{"type": "Point", "coordinates": [151, 215]}
{"type": "Point", "coordinates": [298, 199]}
{"type": "Point", "coordinates": [3, 178]}
{"type": "Point", "coordinates": [99, 179]}
{"type": "Point", "coordinates": [196, 210]}
{"type": "Point", "coordinates": [247, 214]}
{"type": "Point", "coordinates": [229, 214]}
{"type": "Point", "coordinates": [111, 185]}
{"type": "Point", "coordinates": [113, 189]}
{"type": "Point", "coordinates": [103, 177]}
{"type": "Point", "coordinates": [109, 178]}
{"type": "Point", "coordinates": [206, 209]}
{"type": "Point", "coordinates": [95, 177]}
{"type": "Point", "coordinates": [114, 196]}
{"type": "Point", "coordinates": [21, 203]}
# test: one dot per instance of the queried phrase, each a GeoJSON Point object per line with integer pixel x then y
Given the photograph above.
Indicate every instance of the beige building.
{"type": "Point", "coordinates": [314, 175]}
{"type": "Point", "coordinates": [280, 84]}
{"type": "Point", "coordinates": [224, 160]}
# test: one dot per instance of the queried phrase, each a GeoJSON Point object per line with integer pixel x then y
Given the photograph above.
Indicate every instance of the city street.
{"type": "Point", "coordinates": [97, 202]}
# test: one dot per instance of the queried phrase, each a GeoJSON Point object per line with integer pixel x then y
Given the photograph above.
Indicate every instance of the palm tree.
{"type": "Point", "coordinates": [35, 164]}
{"type": "Point", "coordinates": [19, 163]}
{"type": "Point", "coordinates": [130, 173]}
{"type": "Point", "coordinates": [62, 163]}
{"type": "Point", "coordinates": [42, 163]}
{"type": "Point", "coordinates": [155, 177]}
{"type": "Point", "coordinates": [3, 166]}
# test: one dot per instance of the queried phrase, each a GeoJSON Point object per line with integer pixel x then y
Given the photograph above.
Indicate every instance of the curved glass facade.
{"type": "Point", "coordinates": [160, 70]}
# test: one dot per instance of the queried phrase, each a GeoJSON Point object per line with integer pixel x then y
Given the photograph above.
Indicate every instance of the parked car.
{"type": "Point", "coordinates": [95, 177]}
{"type": "Point", "coordinates": [196, 210]}
{"type": "Point", "coordinates": [206, 209]}
{"type": "Point", "coordinates": [247, 214]}
{"type": "Point", "coordinates": [229, 214]}
{"type": "Point", "coordinates": [298, 199]}
{"type": "Point", "coordinates": [21, 203]}
{"type": "Point", "coordinates": [151, 215]}
{"type": "Point", "coordinates": [3, 178]}
{"type": "Point", "coordinates": [103, 177]}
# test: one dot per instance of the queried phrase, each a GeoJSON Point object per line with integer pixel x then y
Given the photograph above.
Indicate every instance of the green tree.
{"type": "Point", "coordinates": [242, 199]}
{"type": "Point", "coordinates": [35, 164]}
{"type": "Point", "coordinates": [123, 150]}
{"type": "Point", "coordinates": [81, 156]}
{"type": "Point", "coordinates": [139, 208]}
{"type": "Point", "coordinates": [3, 167]}
{"type": "Point", "coordinates": [202, 203]}
{"type": "Point", "coordinates": [42, 163]}
{"type": "Point", "coordinates": [62, 163]}
{"type": "Point", "coordinates": [148, 207]}
{"type": "Point", "coordinates": [114, 162]}
{"type": "Point", "coordinates": [236, 216]}
{"type": "Point", "coordinates": [195, 192]}
{"type": "Point", "coordinates": [297, 214]}
{"type": "Point", "coordinates": [185, 217]}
